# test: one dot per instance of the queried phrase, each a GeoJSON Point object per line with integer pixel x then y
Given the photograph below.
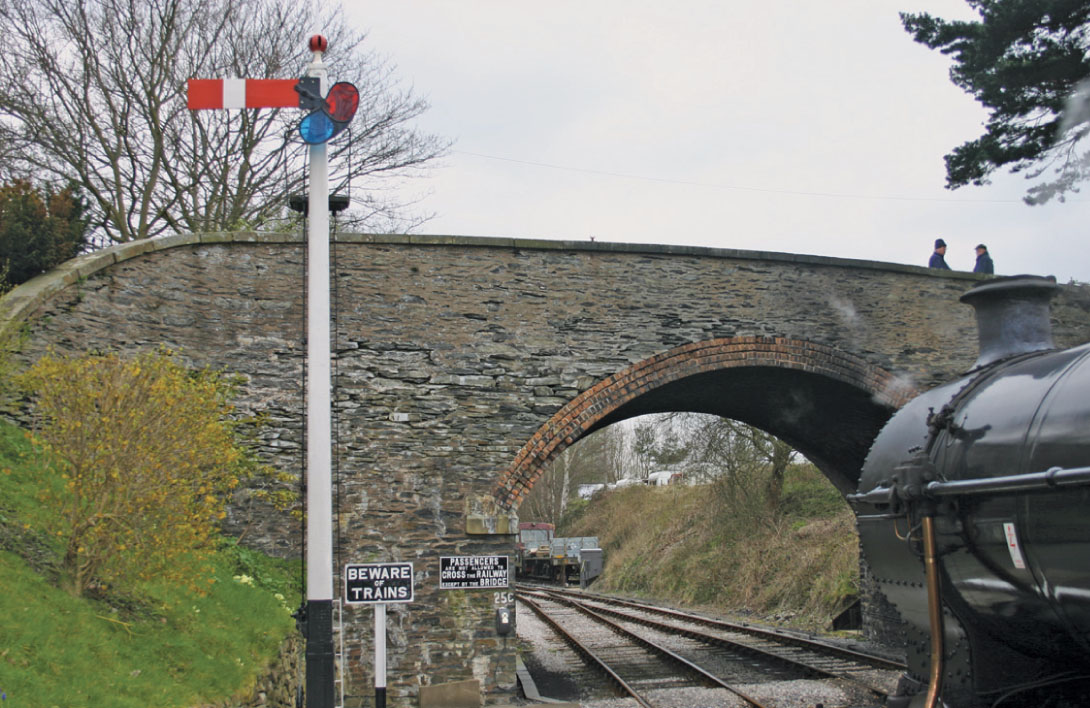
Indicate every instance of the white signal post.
{"type": "Point", "coordinates": [330, 116]}
{"type": "Point", "coordinates": [319, 551]}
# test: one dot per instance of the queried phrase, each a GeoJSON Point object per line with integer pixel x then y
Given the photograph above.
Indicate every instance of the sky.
{"type": "Point", "coordinates": [773, 125]}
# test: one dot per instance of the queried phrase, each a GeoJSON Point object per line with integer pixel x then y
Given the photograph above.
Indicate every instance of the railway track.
{"type": "Point", "coordinates": [644, 651]}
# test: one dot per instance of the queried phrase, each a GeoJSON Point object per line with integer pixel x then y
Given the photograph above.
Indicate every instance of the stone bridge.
{"type": "Point", "coordinates": [463, 366]}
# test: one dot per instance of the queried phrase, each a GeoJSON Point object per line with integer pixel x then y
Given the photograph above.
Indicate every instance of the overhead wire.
{"type": "Point", "coordinates": [739, 188]}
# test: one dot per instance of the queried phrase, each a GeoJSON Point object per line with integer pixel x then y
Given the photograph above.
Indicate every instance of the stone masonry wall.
{"type": "Point", "coordinates": [452, 353]}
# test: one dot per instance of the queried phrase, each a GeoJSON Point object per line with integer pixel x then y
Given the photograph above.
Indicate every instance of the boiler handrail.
{"type": "Point", "coordinates": [1054, 478]}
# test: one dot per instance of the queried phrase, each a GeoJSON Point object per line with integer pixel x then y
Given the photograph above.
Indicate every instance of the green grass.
{"type": "Point", "coordinates": [807, 494]}
{"type": "Point", "coordinates": [146, 647]}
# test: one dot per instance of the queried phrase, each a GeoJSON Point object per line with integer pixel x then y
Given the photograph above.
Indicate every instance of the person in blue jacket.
{"type": "Point", "coordinates": [983, 261]}
{"type": "Point", "coordinates": [938, 259]}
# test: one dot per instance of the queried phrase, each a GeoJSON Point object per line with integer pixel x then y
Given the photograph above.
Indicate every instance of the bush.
{"type": "Point", "coordinates": [141, 456]}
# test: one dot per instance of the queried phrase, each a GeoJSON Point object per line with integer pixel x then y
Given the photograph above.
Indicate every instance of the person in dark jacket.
{"type": "Point", "coordinates": [983, 261]}
{"type": "Point", "coordinates": [938, 259]}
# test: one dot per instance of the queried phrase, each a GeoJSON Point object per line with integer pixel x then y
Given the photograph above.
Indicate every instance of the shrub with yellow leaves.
{"type": "Point", "coordinates": [146, 456]}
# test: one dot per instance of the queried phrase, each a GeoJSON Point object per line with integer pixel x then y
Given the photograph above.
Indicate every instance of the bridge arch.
{"type": "Point", "coordinates": [825, 402]}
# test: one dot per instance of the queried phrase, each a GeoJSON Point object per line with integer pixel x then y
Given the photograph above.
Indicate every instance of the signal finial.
{"type": "Point", "coordinates": [318, 43]}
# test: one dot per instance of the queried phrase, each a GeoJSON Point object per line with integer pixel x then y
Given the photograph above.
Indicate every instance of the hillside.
{"type": "Point", "coordinates": [156, 644]}
{"type": "Point", "coordinates": [709, 546]}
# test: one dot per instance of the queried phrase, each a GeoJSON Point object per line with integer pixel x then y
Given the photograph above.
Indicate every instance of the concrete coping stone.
{"type": "Point", "coordinates": [491, 524]}
{"type": "Point", "coordinates": [456, 694]}
{"type": "Point", "coordinates": [25, 298]}
{"type": "Point", "coordinates": [529, 688]}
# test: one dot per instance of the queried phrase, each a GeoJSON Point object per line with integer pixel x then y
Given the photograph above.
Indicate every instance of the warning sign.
{"type": "Point", "coordinates": [378, 582]}
{"type": "Point", "coordinates": [469, 572]}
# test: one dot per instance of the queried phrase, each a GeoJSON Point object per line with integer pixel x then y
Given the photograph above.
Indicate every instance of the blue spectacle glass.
{"type": "Point", "coordinates": [316, 128]}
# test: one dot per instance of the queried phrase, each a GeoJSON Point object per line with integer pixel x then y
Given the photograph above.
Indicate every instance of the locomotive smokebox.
{"type": "Point", "coordinates": [973, 517]}
{"type": "Point", "coordinates": [1012, 316]}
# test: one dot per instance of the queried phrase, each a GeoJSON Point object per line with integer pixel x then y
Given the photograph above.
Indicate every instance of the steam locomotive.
{"type": "Point", "coordinates": [973, 512]}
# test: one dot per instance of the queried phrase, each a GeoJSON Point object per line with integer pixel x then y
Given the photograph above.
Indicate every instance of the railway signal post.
{"type": "Point", "coordinates": [326, 118]}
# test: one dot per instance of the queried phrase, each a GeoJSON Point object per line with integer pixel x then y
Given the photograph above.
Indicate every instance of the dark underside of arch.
{"type": "Point", "coordinates": [831, 422]}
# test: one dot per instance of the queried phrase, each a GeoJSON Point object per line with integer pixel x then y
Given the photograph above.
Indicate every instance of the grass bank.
{"type": "Point", "coordinates": [157, 645]}
{"type": "Point", "coordinates": [709, 546]}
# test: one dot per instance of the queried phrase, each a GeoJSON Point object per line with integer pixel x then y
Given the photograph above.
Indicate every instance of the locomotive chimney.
{"type": "Point", "coordinates": [1012, 316]}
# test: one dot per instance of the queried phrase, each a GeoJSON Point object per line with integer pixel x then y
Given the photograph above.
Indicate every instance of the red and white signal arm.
{"type": "Point", "coordinates": [328, 116]}
{"type": "Point", "coordinates": [242, 93]}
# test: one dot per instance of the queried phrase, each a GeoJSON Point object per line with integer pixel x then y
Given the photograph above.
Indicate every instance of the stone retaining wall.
{"type": "Point", "coordinates": [279, 685]}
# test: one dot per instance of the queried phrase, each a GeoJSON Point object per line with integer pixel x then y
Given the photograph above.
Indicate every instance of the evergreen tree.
{"type": "Point", "coordinates": [39, 229]}
{"type": "Point", "coordinates": [1024, 61]}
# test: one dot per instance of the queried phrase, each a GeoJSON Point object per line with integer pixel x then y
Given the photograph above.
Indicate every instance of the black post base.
{"type": "Point", "coordinates": [319, 654]}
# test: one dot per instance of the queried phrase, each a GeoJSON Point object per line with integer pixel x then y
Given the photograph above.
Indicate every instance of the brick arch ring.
{"type": "Point", "coordinates": [581, 414]}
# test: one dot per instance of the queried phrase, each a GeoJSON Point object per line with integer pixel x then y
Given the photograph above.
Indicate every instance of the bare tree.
{"type": "Point", "coordinates": [600, 458]}
{"type": "Point", "coordinates": [662, 441]}
{"type": "Point", "coordinates": [610, 458]}
{"type": "Point", "coordinates": [548, 499]}
{"type": "Point", "coordinates": [596, 459]}
{"type": "Point", "coordinates": [751, 463]}
{"type": "Point", "coordinates": [93, 91]}
{"type": "Point", "coordinates": [644, 442]}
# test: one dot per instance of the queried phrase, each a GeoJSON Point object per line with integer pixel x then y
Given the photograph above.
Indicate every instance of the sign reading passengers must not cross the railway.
{"type": "Point", "coordinates": [469, 572]}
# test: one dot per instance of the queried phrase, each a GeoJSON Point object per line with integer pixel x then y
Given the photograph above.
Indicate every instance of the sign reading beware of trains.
{"type": "Point", "coordinates": [378, 582]}
{"type": "Point", "coordinates": [471, 572]}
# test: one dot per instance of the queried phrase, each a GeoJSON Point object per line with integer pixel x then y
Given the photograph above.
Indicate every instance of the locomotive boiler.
{"type": "Point", "coordinates": [973, 512]}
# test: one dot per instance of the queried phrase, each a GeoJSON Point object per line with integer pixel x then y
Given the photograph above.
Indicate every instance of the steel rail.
{"type": "Point", "coordinates": [585, 651]}
{"type": "Point", "coordinates": [662, 651]}
{"type": "Point", "coordinates": [763, 654]}
{"type": "Point", "coordinates": [877, 662]}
